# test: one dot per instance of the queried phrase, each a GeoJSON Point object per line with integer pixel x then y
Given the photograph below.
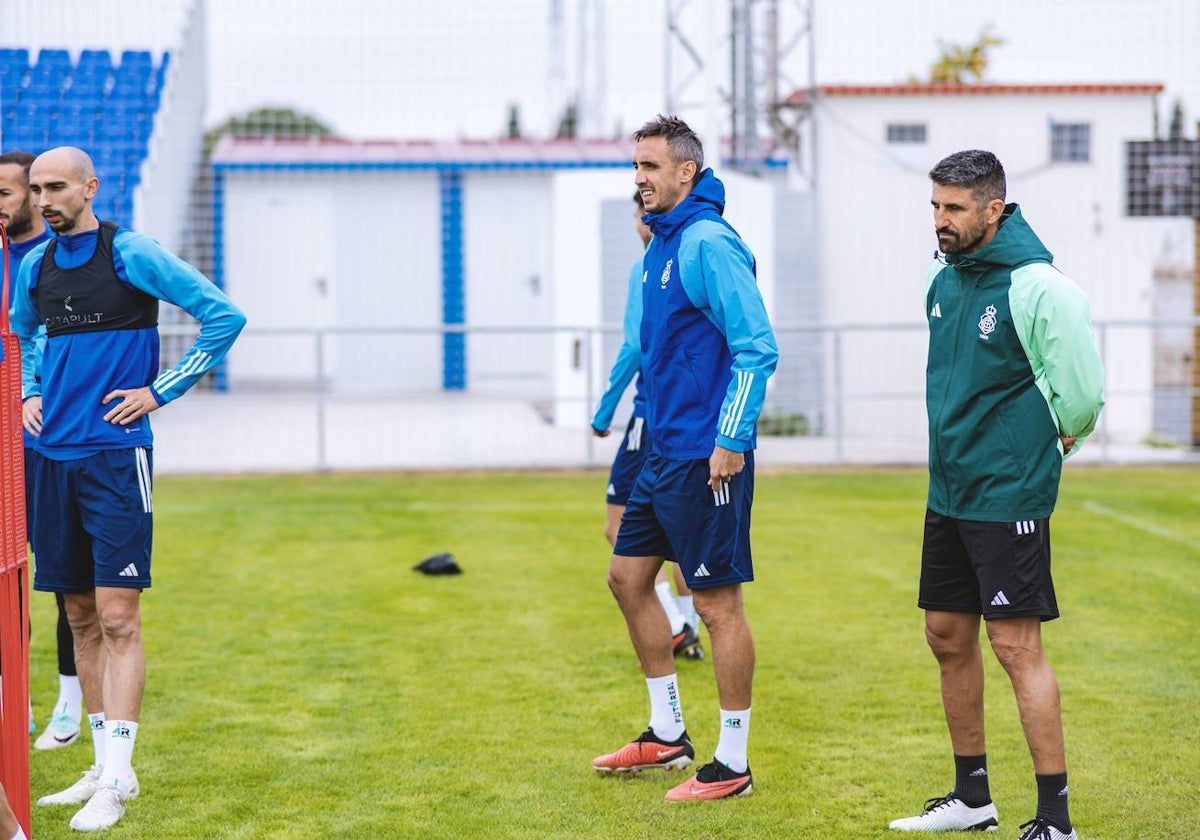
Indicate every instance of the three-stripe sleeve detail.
{"type": "Point", "coordinates": [194, 364]}
{"type": "Point", "coordinates": [737, 406]}
{"type": "Point", "coordinates": [145, 483]}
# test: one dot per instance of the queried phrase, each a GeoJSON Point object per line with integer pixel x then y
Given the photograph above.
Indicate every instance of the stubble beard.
{"type": "Point", "coordinates": [20, 225]}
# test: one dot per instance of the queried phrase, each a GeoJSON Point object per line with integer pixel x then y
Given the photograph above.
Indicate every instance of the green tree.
{"type": "Point", "coordinates": [267, 122]}
{"type": "Point", "coordinates": [959, 64]}
{"type": "Point", "coordinates": [568, 126]}
{"type": "Point", "coordinates": [514, 122]}
{"type": "Point", "coordinates": [1175, 129]}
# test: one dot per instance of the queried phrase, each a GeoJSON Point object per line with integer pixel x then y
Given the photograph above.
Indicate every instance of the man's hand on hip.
{"type": "Point", "coordinates": [134, 402]}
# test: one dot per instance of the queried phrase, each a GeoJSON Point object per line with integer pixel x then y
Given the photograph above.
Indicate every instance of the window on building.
{"type": "Point", "coordinates": [906, 132]}
{"type": "Point", "coordinates": [1070, 142]}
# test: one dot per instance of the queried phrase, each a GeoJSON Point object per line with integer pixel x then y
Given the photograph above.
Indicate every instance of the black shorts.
{"type": "Point", "coordinates": [993, 569]}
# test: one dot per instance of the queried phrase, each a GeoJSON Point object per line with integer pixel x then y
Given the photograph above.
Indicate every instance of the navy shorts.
{"type": "Point", "coordinates": [95, 522]}
{"type": "Point", "coordinates": [628, 463]}
{"type": "Point", "coordinates": [33, 467]}
{"type": "Point", "coordinates": [993, 569]}
{"type": "Point", "coordinates": [673, 513]}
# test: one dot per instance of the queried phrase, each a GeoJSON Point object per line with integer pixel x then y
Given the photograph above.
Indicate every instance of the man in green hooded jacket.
{"type": "Point", "coordinates": [1014, 383]}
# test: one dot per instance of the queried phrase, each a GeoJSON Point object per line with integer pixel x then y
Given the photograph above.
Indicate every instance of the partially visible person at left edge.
{"type": "Point", "coordinates": [96, 289]}
{"type": "Point", "coordinates": [26, 230]}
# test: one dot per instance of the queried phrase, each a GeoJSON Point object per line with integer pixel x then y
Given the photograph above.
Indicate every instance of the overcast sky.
{"type": "Point", "coordinates": [414, 68]}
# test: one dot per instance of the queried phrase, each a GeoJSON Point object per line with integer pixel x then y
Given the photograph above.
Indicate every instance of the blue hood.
{"type": "Point", "coordinates": [708, 194]}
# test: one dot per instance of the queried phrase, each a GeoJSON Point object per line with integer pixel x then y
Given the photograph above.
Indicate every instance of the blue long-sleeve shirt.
{"type": "Point", "coordinates": [17, 251]}
{"type": "Point", "coordinates": [629, 358]}
{"type": "Point", "coordinates": [707, 345]}
{"type": "Point", "coordinates": [79, 369]}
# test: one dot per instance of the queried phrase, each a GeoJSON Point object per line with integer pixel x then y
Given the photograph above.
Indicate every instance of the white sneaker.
{"type": "Point", "coordinates": [83, 790]}
{"type": "Point", "coordinates": [103, 810]}
{"type": "Point", "coordinates": [62, 731]}
{"type": "Point", "coordinates": [1042, 830]}
{"type": "Point", "coordinates": [949, 813]}
{"type": "Point", "coordinates": [77, 793]}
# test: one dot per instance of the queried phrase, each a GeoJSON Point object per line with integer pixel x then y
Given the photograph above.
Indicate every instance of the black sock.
{"type": "Point", "coordinates": [971, 780]}
{"type": "Point", "coordinates": [1052, 800]}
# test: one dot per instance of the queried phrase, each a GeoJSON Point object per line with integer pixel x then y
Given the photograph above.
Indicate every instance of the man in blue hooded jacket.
{"type": "Point", "coordinates": [707, 352]}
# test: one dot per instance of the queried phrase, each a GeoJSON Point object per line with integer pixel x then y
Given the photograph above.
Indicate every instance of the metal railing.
{"type": "Point", "coordinates": [371, 398]}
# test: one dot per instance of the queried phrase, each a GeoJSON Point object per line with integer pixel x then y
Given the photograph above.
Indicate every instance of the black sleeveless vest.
{"type": "Point", "coordinates": [91, 297]}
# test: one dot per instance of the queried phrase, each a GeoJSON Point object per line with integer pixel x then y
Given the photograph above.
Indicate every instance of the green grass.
{"type": "Point", "coordinates": [304, 682]}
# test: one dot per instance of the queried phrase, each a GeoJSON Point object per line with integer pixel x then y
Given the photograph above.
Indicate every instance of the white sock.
{"type": "Point", "coordinates": [667, 598]}
{"type": "Point", "coordinates": [99, 737]}
{"type": "Point", "coordinates": [70, 697]}
{"type": "Point", "coordinates": [731, 746]}
{"type": "Point", "coordinates": [689, 610]}
{"type": "Point", "coordinates": [118, 760]}
{"type": "Point", "coordinates": [666, 713]}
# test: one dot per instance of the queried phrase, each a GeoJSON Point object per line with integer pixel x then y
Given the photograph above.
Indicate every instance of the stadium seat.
{"type": "Point", "coordinates": [95, 62]}
{"type": "Point", "coordinates": [134, 76]}
{"type": "Point", "coordinates": [160, 76]}
{"type": "Point", "coordinates": [14, 71]}
{"type": "Point", "coordinates": [105, 107]}
{"type": "Point", "coordinates": [50, 73]}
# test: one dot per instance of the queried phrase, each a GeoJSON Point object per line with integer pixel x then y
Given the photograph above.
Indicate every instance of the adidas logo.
{"type": "Point", "coordinates": [936, 312]}
{"type": "Point", "coordinates": [1001, 600]}
{"type": "Point", "coordinates": [721, 497]}
{"type": "Point", "coordinates": [982, 771]}
{"type": "Point", "coordinates": [611, 491]}
{"type": "Point", "coordinates": [1024, 528]}
{"type": "Point", "coordinates": [129, 571]}
{"type": "Point", "coordinates": [702, 571]}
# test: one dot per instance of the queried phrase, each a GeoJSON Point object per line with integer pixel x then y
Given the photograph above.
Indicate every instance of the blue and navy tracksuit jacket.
{"type": "Point", "coordinates": [707, 345]}
{"type": "Point", "coordinates": [629, 358]}
{"type": "Point", "coordinates": [80, 368]}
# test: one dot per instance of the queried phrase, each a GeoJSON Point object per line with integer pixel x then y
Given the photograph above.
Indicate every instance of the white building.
{"type": "Point", "coordinates": [395, 249]}
{"type": "Point", "coordinates": [1062, 147]}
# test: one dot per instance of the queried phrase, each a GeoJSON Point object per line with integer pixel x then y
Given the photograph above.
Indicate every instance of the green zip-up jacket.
{"type": "Point", "coordinates": [1012, 365]}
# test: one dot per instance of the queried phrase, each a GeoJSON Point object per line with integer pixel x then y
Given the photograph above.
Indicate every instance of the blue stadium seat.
{"type": "Point", "coordinates": [26, 138]}
{"type": "Point", "coordinates": [14, 55]}
{"type": "Point", "coordinates": [160, 76]}
{"type": "Point", "coordinates": [94, 62]}
{"type": "Point", "coordinates": [71, 126]}
{"type": "Point", "coordinates": [14, 69]}
{"type": "Point", "coordinates": [135, 72]}
{"type": "Point", "coordinates": [104, 106]}
{"type": "Point", "coordinates": [50, 73]}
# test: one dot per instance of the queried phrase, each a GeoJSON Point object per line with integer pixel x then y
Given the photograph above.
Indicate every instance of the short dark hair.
{"type": "Point", "coordinates": [684, 144]}
{"type": "Point", "coordinates": [21, 159]}
{"type": "Point", "coordinates": [979, 171]}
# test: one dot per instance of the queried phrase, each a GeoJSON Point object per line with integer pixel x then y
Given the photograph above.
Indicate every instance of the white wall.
{"type": "Point", "coordinates": [506, 225]}
{"type": "Point", "coordinates": [349, 250]}
{"type": "Point", "coordinates": [878, 233]}
{"type": "Point", "coordinates": [161, 200]}
{"type": "Point", "coordinates": [575, 202]}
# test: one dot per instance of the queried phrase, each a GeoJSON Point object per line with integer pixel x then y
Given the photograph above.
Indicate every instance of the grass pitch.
{"type": "Point", "coordinates": [304, 682]}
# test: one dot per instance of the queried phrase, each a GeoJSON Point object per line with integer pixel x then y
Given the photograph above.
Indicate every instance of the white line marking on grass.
{"type": "Point", "coordinates": [1140, 524]}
